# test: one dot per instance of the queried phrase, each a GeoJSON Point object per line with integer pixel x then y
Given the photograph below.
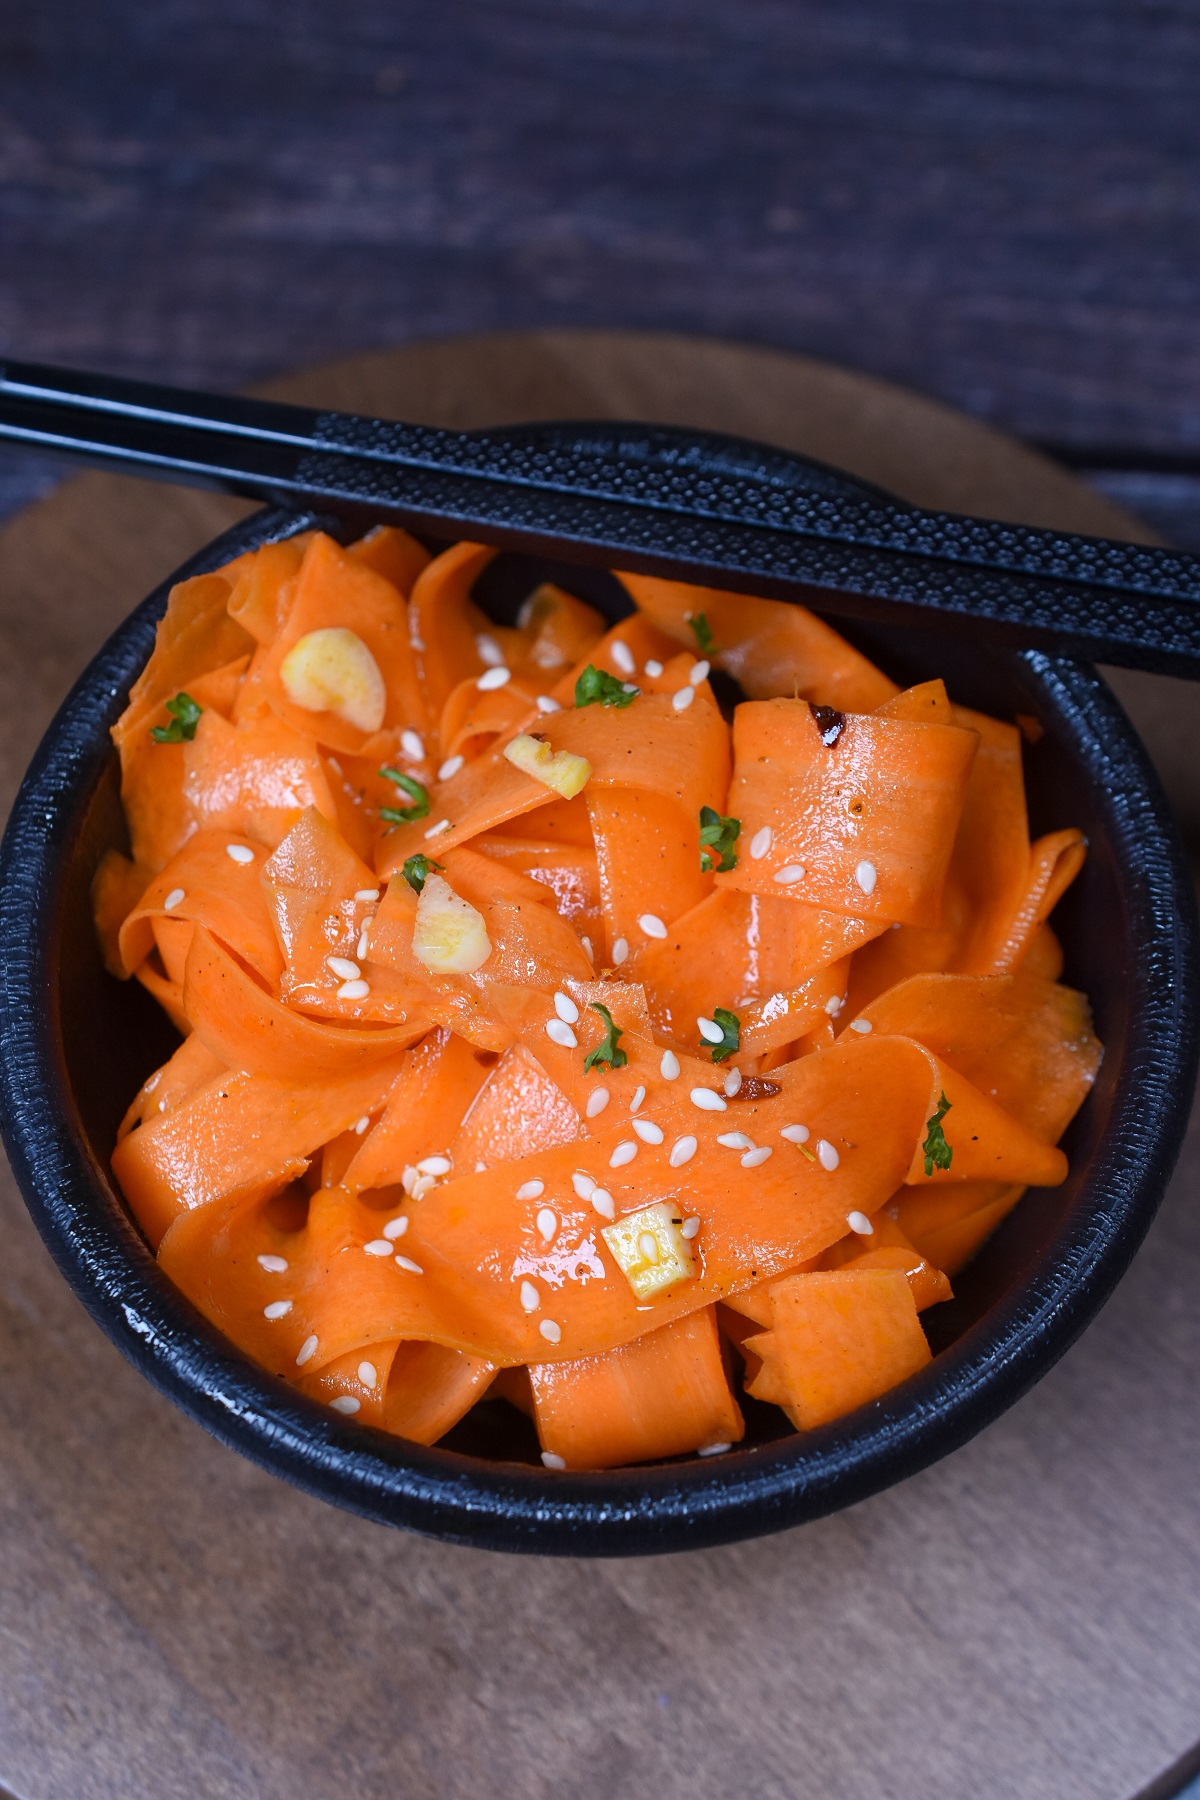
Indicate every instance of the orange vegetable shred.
{"type": "Point", "coordinates": [696, 1062]}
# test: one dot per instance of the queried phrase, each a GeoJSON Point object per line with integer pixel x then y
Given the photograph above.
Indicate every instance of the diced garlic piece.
{"type": "Point", "coordinates": [650, 1249]}
{"type": "Point", "coordinates": [560, 770]}
{"type": "Point", "coordinates": [449, 936]}
{"type": "Point", "coordinates": [333, 671]}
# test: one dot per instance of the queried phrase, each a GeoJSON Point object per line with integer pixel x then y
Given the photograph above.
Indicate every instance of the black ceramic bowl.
{"type": "Point", "coordinates": [77, 1044]}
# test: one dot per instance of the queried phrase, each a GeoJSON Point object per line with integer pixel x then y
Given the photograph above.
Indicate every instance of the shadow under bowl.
{"type": "Point", "coordinates": [77, 1044]}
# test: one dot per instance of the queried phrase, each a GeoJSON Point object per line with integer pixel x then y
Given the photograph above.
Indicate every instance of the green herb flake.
{"type": "Point", "coordinates": [717, 838]}
{"type": "Point", "coordinates": [416, 870]}
{"type": "Point", "coordinates": [607, 1054]}
{"type": "Point", "coordinates": [731, 1026]}
{"type": "Point", "coordinates": [185, 716]}
{"type": "Point", "coordinates": [404, 815]}
{"type": "Point", "coordinates": [938, 1153]}
{"type": "Point", "coordinates": [597, 684]}
{"type": "Point", "coordinates": [702, 631]}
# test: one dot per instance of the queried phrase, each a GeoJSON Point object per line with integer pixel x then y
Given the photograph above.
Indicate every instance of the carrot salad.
{"type": "Point", "coordinates": [563, 1020]}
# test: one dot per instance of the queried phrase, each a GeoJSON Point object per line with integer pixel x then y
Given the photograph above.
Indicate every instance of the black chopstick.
{"type": "Point", "coordinates": [649, 498]}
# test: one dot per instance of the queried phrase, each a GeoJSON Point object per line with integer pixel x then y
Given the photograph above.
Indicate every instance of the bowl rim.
{"type": "Point", "coordinates": [519, 1507]}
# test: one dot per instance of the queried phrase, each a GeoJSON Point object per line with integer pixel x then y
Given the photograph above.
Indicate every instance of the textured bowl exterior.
{"type": "Point", "coordinates": [74, 1042]}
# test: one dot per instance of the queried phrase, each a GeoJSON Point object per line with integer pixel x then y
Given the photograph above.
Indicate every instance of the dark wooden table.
{"type": "Point", "coordinates": [996, 204]}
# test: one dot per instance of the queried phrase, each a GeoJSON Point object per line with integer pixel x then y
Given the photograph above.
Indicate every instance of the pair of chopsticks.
{"type": "Point", "coordinates": [647, 498]}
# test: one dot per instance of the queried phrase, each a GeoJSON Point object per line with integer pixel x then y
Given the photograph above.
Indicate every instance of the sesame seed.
{"type": "Point", "coordinates": [620, 951]}
{"type": "Point", "coordinates": [366, 893]}
{"type": "Point", "coordinates": [587, 947]}
{"type": "Point", "coordinates": [552, 1334]}
{"type": "Point", "coordinates": [450, 768]}
{"type": "Point", "coordinates": [683, 699]}
{"type": "Point", "coordinates": [278, 1309]}
{"type": "Point", "coordinates": [239, 853]}
{"type": "Point", "coordinates": [789, 875]}
{"type": "Point", "coordinates": [566, 1008]}
{"type": "Point", "coordinates": [713, 1449]}
{"type": "Point", "coordinates": [345, 1403]}
{"type": "Point", "coordinates": [406, 1262]}
{"type": "Point", "coordinates": [707, 1100]}
{"type": "Point", "coordinates": [396, 1227]}
{"type": "Point", "coordinates": [682, 1151]}
{"type": "Point", "coordinates": [333, 762]}
{"type": "Point", "coordinates": [866, 877]}
{"type": "Point", "coordinates": [274, 1265]}
{"type": "Point", "coordinates": [653, 668]}
{"type": "Point", "coordinates": [668, 1068]}
{"type": "Point", "coordinates": [307, 1350]}
{"type": "Point", "coordinates": [416, 642]}
{"type": "Point", "coordinates": [552, 1461]}
{"type": "Point", "coordinates": [624, 1153]}
{"type": "Point", "coordinates": [173, 898]}
{"type": "Point", "coordinates": [408, 1178]}
{"type": "Point", "coordinates": [423, 1184]}
{"type": "Point", "coordinates": [795, 1134]}
{"type": "Point", "coordinates": [437, 830]}
{"type": "Point", "coordinates": [354, 990]}
{"type": "Point", "coordinates": [583, 1184]}
{"type": "Point", "coordinates": [834, 1004]}
{"type": "Point", "coordinates": [753, 1159]}
{"type": "Point", "coordinates": [648, 1131]}
{"type": "Point", "coordinates": [435, 1165]}
{"type": "Point", "coordinates": [733, 1083]}
{"type": "Point", "coordinates": [368, 1374]}
{"type": "Point", "coordinates": [648, 1247]}
{"type": "Point", "coordinates": [638, 1096]}
{"type": "Point", "coordinates": [360, 1125]}
{"type": "Point", "coordinates": [343, 968]}
{"type": "Point", "coordinates": [546, 703]}
{"type": "Point", "coordinates": [859, 1222]}
{"type": "Point", "coordinates": [827, 1156]}
{"type": "Point", "coordinates": [360, 949]}
{"type": "Point", "coordinates": [597, 1100]}
{"type": "Point", "coordinates": [531, 1190]}
{"type": "Point", "coordinates": [412, 745]}
{"type": "Point", "coordinates": [863, 1025]}
{"type": "Point", "coordinates": [547, 1223]}
{"type": "Point", "coordinates": [652, 925]}
{"type": "Point", "coordinates": [530, 1298]}
{"type": "Point", "coordinates": [489, 651]}
{"type": "Point", "coordinates": [760, 843]}
{"type": "Point", "coordinates": [690, 1228]}
{"type": "Point", "coordinates": [736, 1140]}
{"type": "Point", "coordinates": [148, 1087]}
{"type": "Point", "coordinates": [622, 655]}
{"type": "Point", "coordinates": [379, 1247]}
{"type": "Point", "coordinates": [709, 1029]}
{"type": "Point", "coordinates": [480, 1168]}
{"type": "Point", "coordinates": [602, 1202]}
{"type": "Point", "coordinates": [698, 673]}
{"type": "Point", "coordinates": [630, 688]}
{"type": "Point", "coordinates": [560, 1033]}
{"type": "Point", "coordinates": [493, 678]}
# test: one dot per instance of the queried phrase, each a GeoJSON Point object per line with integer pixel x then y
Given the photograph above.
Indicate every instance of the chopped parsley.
{"type": "Point", "coordinates": [717, 838]}
{"type": "Point", "coordinates": [185, 716]}
{"type": "Point", "coordinates": [702, 631]}
{"type": "Point", "coordinates": [597, 684]}
{"type": "Point", "coordinates": [416, 869]}
{"type": "Point", "coordinates": [607, 1054]}
{"type": "Point", "coordinates": [404, 815]}
{"type": "Point", "coordinates": [731, 1025]}
{"type": "Point", "coordinates": [938, 1153]}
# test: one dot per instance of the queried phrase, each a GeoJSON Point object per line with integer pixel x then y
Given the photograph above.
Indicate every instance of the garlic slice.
{"type": "Point", "coordinates": [332, 670]}
{"type": "Point", "coordinates": [449, 936]}
{"type": "Point", "coordinates": [561, 770]}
